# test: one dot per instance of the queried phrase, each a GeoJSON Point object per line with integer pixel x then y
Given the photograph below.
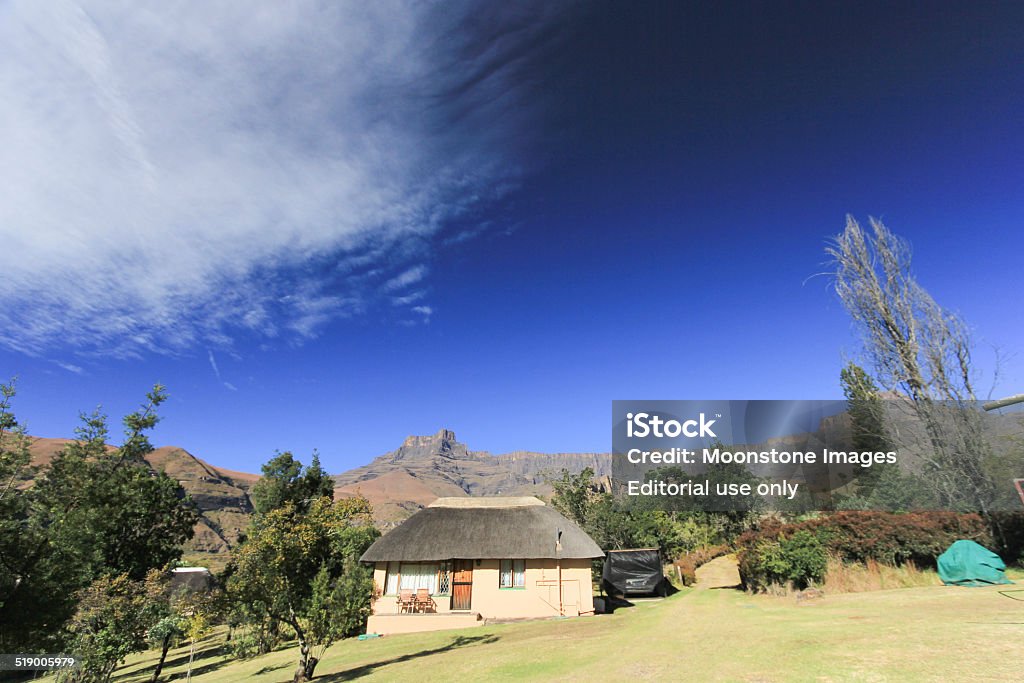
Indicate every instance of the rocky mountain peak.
{"type": "Point", "coordinates": [442, 444]}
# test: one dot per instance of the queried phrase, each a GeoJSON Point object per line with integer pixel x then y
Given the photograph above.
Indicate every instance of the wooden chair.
{"type": "Point", "coordinates": [423, 600]}
{"type": "Point", "coordinates": [406, 600]}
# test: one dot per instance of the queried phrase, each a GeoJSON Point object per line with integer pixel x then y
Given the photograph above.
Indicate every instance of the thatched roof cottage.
{"type": "Point", "coordinates": [462, 561]}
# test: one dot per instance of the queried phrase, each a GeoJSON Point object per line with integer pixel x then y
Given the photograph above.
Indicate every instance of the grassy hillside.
{"type": "Point", "coordinates": [915, 634]}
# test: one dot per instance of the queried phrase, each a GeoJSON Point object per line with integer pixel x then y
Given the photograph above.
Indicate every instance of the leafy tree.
{"type": "Point", "coordinates": [705, 520]}
{"type": "Point", "coordinates": [867, 414]}
{"type": "Point", "coordinates": [672, 525]}
{"type": "Point", "coordinates": [131, 518]}
{"type": "Point", "coordinates": [164, 634]}
{"type": "Point", "coordinates": [96, 511]}
{"type": "Point", "coordinates": [112, 621]}
{"type": "Point", "coordinates": [285, 481]}
{"type": "Point", "coordinates": [252, 632]}
{"type": "Point", "coordinates": [199, 611]}
{"type": "Point", "coordinates": [15, 469]}
{"type": "Point", "coordinates": [574, 495]}
{"type": "Point", "coordinates": [338, 606]}
{"type": "Point", "coordinates": [15, 461]}
{"type": "Point", "coordinates": [299, 567]}
{"type": "Point", "coordinates": [179, 614]}
{"type": "Point", "coordinates": [883, 486]}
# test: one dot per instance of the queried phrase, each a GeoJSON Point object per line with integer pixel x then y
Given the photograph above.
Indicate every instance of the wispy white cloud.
{"type": "Point", "coordinates": [409, 277]}
{"type": "Point", "coordinates": [216, 372]}
{"type": "Point", "coordinates": [70, 367]}
{"type": "Point", "coordinates": [408, 298]}
{"type": "Point", "coordinates": [425, 310]}
{"type": "Point", "coordinates": [213, 364]}
{"type": "Point", "coordinates": [178, 175]}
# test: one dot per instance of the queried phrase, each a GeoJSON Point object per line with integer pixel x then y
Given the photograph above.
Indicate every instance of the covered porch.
{"type": "Point", "coordinates": [423, 587]}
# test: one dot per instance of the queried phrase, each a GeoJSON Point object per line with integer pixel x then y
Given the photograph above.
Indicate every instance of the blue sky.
{"type": "Point", "coordinates": [331, 225]}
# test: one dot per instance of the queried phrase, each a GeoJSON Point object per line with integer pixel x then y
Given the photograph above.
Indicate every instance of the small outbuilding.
{"type": "Point", "coordinates": [190, 580]}
{"type": "Point", "coordinates": [461, 561]}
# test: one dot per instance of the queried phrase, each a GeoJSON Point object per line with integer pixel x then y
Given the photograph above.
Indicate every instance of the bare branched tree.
{"type": "Point", "coordinates": [915, 345]}
{"type": "Point", "coordinates": [918, 350]}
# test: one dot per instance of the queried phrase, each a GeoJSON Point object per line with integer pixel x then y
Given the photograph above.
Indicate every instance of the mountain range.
{"type": "Point", "coordinates": [397, 483]}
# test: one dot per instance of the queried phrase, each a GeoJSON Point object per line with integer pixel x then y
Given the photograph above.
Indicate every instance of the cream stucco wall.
{"type": "Point", "coordinates": [539, 597]}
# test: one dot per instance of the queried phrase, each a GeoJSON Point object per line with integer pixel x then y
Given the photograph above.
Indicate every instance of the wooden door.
{"type": "Point", "coordinates": [462, 584]}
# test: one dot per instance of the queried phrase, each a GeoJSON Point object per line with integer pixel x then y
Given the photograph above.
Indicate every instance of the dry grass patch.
{"type": "Point", "coordinates": [874, 576]}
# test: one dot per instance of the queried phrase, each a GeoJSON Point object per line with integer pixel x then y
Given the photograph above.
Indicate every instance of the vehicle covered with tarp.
{"type": "Point", "coordinates": [966, 563]}
{"type": "Point", "coordinates": [634, 572]}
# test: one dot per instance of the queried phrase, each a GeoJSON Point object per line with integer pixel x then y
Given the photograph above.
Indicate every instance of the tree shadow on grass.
{"type": "Point", "coordinates": [203, 653]}
{"type": "Point", "coordinates": [205, 668]}
{"type": "Point", "coordinates": [367, 669]}
{"type": "Point", "coordinates": [144, 671]}
{"type": "Point", "coordinates": [268, 669]}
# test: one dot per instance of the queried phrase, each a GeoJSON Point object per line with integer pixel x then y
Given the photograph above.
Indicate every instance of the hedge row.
{"type": "Point", "coordinates": [888, 537]}
{"type": "Point", "coordinates": [796, 553]}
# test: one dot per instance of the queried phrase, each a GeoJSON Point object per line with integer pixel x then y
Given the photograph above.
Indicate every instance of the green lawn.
{"type": "Point", "coordinates": [915, 634]}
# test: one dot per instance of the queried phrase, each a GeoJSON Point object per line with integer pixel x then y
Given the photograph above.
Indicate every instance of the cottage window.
{"type": "Point", "coordinates": [512, 574]}
{"type": "Point", "coordinates": [444, 578]}
{"type": "Point", "coordinates": [391, 583]}
{"type": "Point", "coordinates": [416, 576]}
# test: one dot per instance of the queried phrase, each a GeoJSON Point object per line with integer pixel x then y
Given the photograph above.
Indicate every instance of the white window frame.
{"type": "Point", "coordinates": [512, 574]}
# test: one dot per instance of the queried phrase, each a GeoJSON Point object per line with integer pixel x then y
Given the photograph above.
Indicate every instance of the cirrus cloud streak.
{"type": "Point", "coordinates": [176, 177]}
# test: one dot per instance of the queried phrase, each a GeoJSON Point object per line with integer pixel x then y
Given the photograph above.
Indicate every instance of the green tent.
{"type": "Point", "coordinates": [966, 563]}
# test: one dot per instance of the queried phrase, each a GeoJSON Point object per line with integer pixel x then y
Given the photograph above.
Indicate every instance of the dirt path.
{"type": "Point", "coordinates": [721, 572]}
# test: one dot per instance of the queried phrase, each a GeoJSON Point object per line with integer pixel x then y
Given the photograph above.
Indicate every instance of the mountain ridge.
{"type": "Point", "coordinates": [397, 483]}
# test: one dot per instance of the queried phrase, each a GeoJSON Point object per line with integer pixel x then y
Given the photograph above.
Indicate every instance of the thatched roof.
{"type": "Point", "coordinates": [484, 529]}
{"type": "Point", "coordinates": [488, 502]}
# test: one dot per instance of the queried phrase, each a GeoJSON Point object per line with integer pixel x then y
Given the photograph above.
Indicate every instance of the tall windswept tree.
{"type": "Point", "coordinates": [919, 350]}
{"type": "Point", "coordinates": [915, 345]}
{"type": "Point", "coordinates": [300, 568]}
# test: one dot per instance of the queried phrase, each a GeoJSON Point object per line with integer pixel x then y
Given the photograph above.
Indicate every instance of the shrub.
{"type": "Point", "coordinates": [799, 560]}
{"type": "Point", "coordinates": [245, 645]}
